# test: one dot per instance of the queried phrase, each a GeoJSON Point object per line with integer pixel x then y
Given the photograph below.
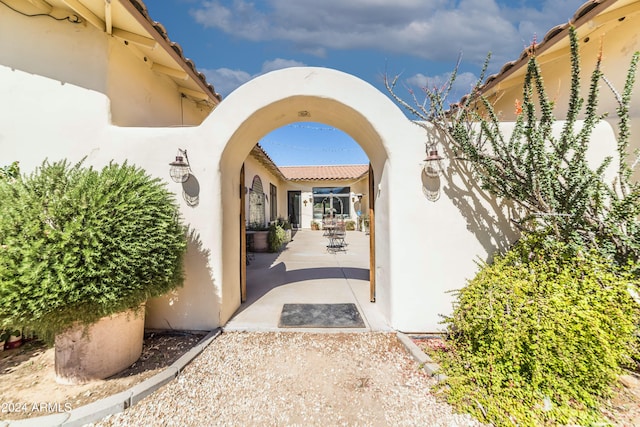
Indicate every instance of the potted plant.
{"type": "Point", "coordinates": [276, 237]}
{"type": "Point", "coordinates": [81, 250]}
{"type": "Point", "coordinates": [315, 225]}
{"type": "Point", "coordinates": [365, 224]}
{"type": "Point", "coordinates": [257, 236]}
{"type": "Point", "coordinates": [286, 226]}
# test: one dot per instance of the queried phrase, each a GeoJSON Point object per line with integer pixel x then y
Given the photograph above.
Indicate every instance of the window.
{"type": "Point", "coordinates": [328, 201]}
{"type": "Point", "coordinates": [273, 198]}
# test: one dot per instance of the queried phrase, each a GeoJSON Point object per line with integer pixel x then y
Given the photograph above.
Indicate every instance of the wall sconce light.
{"type": "Point", "coordinates": [180, 168]}
{"type": "Point", "coordinates": [433, 163]}
{"type": "Point", "coordinates": [305, 202]}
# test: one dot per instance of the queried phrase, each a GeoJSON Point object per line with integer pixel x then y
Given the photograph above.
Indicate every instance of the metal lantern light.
{"type": "Point", "coordinates": [433, 163]}
{"type": "Point", "coordinates": [180, 169]}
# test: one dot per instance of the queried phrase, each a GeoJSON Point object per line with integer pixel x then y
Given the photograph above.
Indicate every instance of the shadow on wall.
{"type": "Point", "coordinates": [197, 302]}
{"type": "Point", "coordinates": [191, 191]}
{"type": "Point", "coordinates": [487, 217]}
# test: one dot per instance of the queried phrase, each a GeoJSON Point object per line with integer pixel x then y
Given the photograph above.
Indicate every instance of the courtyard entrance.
{"type": "Point", "coordinates": [305, 272]}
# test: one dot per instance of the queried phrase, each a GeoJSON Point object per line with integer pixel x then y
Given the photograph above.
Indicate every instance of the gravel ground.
{"type": "Point", "coordinates": [306, 379]}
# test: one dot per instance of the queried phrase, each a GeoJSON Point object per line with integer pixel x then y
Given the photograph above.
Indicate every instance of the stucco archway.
{"type": "Point", "coordinates": [293, 95]}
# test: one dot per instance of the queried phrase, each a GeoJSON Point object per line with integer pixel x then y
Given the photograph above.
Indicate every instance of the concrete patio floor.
{"type": "Point", "coordinates": [306, 272]}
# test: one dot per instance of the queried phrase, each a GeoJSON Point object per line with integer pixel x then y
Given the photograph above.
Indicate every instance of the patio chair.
{"type": "Point", "coordinates": [328, 224]}
{"type": "Point", "coordinates": [337, 237]}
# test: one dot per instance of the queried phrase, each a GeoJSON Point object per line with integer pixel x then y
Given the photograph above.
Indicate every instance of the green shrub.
{"type": "Point", "coordinates": [350, 225]}
{"type": "Point", "coordinates": [539, 336]}
{"type": "Point", "coordinates": [77, 244]}
{"type": "Point", "coordinates": [284, 223]}
{"type": "Point", "coordinates": [10, 172]}
{"type": "Point", "coordinates": [276, 237]}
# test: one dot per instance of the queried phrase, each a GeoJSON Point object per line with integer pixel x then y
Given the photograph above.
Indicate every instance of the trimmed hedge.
{"type": "Point", "coordinates": [77, 244]}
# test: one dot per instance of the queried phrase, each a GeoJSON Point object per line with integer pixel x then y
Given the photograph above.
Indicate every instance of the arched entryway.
{"type": "Point", "coordinates": [297, 95]}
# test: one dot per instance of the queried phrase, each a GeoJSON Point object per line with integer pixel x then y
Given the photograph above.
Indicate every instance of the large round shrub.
{"type": "Point", "coordinates": [77, 244]}
{"type": "Point", "coordinates": [540, 335]}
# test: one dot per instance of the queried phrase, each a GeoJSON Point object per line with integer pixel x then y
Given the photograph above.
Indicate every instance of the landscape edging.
{"type": "Point", "coordinates": [118, 402]}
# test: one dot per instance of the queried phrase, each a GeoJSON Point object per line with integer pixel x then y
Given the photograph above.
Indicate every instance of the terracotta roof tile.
{"type": "Point", "coordinates": [161, 30]}
{"type": "Point", "coordinates": [306, 173]}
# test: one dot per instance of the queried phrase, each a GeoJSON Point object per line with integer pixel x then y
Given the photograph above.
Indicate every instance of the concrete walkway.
{"type": "Point", "coordinates": [306, 272]}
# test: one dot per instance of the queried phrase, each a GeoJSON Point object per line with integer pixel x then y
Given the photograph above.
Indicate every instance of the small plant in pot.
{"type": "Point", "coordinates": [277, 237]}
{"type": "Point", "coordinates": [80, 246]}
{"type": "Point", "coordinates": [286, 226]}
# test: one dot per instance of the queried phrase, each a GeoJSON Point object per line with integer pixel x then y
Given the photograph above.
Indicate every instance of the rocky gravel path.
{"type": "Point", "coordinates": [306, 379]}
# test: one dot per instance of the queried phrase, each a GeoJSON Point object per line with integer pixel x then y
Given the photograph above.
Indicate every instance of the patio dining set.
{"type": "Point", "coordinates": [335, 231]}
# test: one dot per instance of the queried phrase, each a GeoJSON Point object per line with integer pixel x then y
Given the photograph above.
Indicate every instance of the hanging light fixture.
{"type": "Point", "coordinates": [179, 169]}
{"type": "Point", "coordinates": [433, 163]}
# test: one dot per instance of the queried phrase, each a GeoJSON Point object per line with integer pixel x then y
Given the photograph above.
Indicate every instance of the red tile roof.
{"type": "Point", "coordinates": [307, 173]}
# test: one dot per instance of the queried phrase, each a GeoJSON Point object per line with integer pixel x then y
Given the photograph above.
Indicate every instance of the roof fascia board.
{"type": "Point", "coordinates": [522, 61]}
{"type": "Point", "coordinates": [83, 11]}
{"type": "Point", "coordinates": [133, 11]}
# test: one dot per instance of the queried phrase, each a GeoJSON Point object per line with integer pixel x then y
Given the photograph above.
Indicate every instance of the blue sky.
{"type": "Point", "coordinates": [233, 41]}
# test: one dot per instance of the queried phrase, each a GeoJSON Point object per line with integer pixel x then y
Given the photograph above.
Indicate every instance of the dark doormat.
{"type": "Point", "coordinates": [320, 316]}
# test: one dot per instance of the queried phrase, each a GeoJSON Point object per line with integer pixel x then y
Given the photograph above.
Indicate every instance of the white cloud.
{"type": "Point", "coordinates": [462, 85]}
{"type": "Point", "coordinates": [463, 82]}
{"type": "Point", "coordinates": [279, 63]}
{"type": "Point", "coordinates": [226, 80]}
{"type": "Point", "coordinates": [536, 22]}
{"type": "Point", "coordinates": [435, 30]}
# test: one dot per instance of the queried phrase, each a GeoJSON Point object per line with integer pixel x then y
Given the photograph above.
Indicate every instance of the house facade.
{"type": "Point", "coordinates": [101, 80]}
{"type": "Point", "coordinates": [302, 195]}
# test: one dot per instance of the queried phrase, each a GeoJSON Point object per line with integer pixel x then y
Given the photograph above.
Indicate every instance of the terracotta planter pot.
{"type": "Point", "coordinates": [87, 353]}
{"type": "Point", "coordinates": [260, 242]}
{"type": "Point", "coordinates": [14, 341]}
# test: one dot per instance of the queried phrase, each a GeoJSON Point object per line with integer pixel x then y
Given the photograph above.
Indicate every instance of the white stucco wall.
{"type": "Point", "coordinates": [423, 248]}
{"type": "Point", "coordinates": [83, 56]}
{"type": "Point", "coordinates": [62, 51]}
{"type": "Point", "coordinates": [72, 122]}
{"type": "Point", "coordinates": [142, 97]}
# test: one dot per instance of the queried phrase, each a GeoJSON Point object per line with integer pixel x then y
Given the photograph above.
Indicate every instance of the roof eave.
{"type": "Point", "coordinates": [135, 9]}
{"type": "Point", "coordinates": [583, 15]}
